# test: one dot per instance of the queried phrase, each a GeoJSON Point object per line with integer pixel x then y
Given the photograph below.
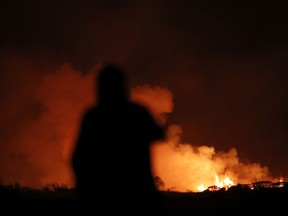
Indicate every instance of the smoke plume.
{"type": "Point", "coordinates": [41, 112]}
{"type": "Point", "coordinates": [183, 166]}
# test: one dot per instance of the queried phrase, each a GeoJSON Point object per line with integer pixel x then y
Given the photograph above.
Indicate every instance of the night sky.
{"type": "Point", "coordinates": [225, 63]}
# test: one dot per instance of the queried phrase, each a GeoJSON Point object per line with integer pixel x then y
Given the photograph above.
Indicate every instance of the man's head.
{"type": "Point", "coordinates": [112, 85]}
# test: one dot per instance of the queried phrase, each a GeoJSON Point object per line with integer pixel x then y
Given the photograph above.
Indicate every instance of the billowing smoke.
{"type": "Point", "coordinates": [158, 100]}
{"type": "Point", "coordinates": [182, 166]}
{"type": "Point", "coordinates": [225, 62]}
{"type": "Point", "coordinates": [41, 111]}
{"type": "Point", "coordinates": [40, 115]}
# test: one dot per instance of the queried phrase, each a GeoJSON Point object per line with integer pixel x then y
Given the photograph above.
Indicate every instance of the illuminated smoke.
{"type": "Point", "coordinates": [40, 117]}
{"type": "Point", "coordinates": [182, 166]}
{"type": "Point", "coordinates": [40, 114]}
{"type": "Point", "coordinates": [157, 99]}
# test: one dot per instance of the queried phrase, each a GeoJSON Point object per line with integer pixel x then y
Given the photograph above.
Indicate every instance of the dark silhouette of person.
{"type": "Point", "coordinates": [111, 160]}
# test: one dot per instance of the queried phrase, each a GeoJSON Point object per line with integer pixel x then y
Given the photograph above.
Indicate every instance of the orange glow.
{"type": "Point", "coordinates": [42, 144]}
{"type": "Point", "coordinates": [226, 183]}
{"type": "Point", "coordinates": [185, 167]}
{"type": "Point", "coordinates": [201, 188]}
{"type": "Point", "coordinates": [219, 184]}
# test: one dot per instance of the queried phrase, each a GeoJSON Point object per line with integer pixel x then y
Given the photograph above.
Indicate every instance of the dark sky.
{"type": "Point", "coordinates": [224, 61]}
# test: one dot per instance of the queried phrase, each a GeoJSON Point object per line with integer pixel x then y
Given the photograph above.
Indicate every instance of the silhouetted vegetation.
{"type": "Point", "coordinates": [238, 200]}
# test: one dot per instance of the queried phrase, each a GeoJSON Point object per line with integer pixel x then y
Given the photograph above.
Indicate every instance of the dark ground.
{"type": "Point", "coordinates": [235, 201]}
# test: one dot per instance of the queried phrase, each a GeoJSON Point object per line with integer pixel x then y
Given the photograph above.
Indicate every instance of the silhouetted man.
{"type": "Point", "coordinates": [112, 155]}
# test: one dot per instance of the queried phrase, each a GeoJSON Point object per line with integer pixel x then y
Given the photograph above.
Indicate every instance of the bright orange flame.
{"type": "Point", "coordinates": [225, 183]}
{"type": "Point", "coordinates": [184, 167]}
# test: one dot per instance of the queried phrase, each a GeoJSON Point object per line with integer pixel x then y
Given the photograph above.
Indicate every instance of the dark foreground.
{"type": "Point", "coordinates": [235, 201]}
